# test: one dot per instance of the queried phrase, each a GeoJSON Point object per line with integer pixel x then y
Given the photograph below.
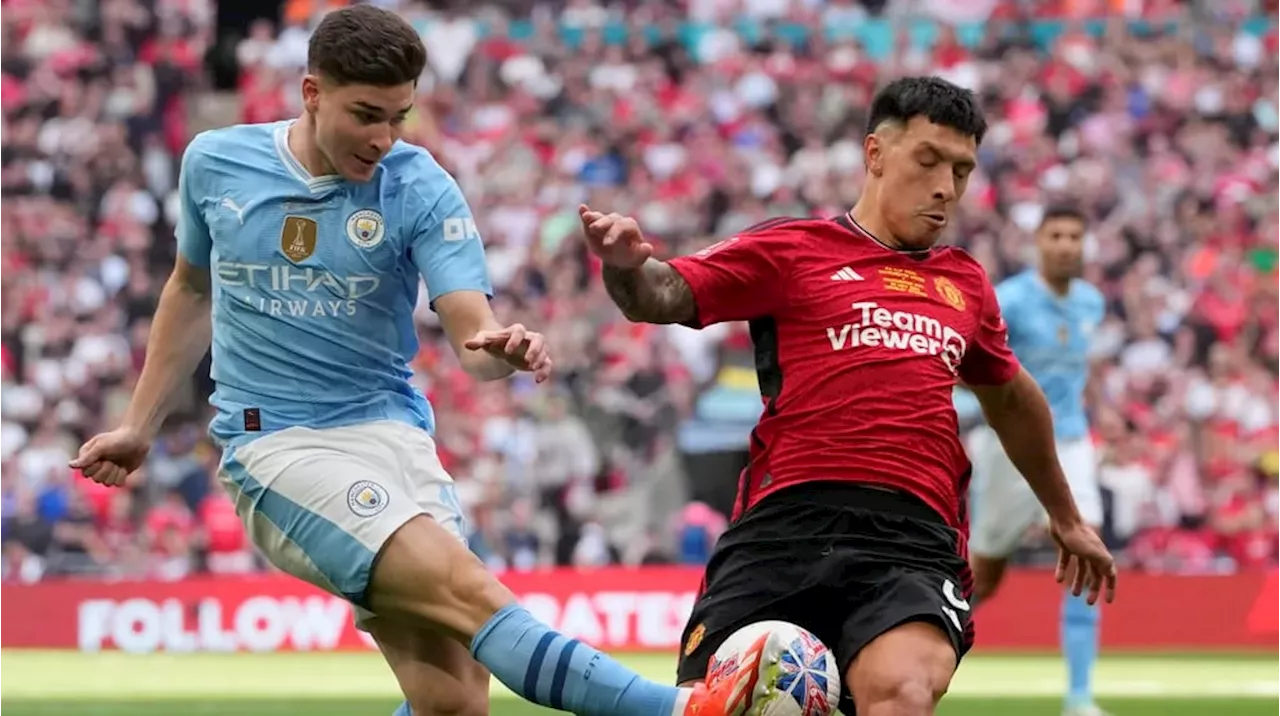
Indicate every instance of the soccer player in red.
{"type": "Point", "coordinates": [850, 519]}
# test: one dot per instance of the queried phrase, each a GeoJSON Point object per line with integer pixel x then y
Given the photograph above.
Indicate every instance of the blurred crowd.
{"type": "Point", "coordinates": [1157, 117]}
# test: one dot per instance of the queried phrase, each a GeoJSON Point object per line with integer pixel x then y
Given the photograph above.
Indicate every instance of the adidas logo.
{"type": "Point", "coordinates": [846, 274]}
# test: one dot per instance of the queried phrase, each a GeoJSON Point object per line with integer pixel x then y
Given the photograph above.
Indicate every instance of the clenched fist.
{"type": "Point", "coordinates": [109, 458]}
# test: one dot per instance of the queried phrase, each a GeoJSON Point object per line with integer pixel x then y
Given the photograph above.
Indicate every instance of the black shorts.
{"type": "Point", "coordinates": [846, 562]}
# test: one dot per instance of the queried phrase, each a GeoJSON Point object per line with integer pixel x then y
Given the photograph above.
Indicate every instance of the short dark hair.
{"type": "Point", "coordinates": [1063, 211]}
{"type": "Point", "coordinates": [933, 98]}
{"type": "Point", "coordinates": [363, 44]}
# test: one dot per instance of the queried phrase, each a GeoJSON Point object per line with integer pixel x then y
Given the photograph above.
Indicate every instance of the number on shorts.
{"type": "Point", "coordinates": [956, 603]}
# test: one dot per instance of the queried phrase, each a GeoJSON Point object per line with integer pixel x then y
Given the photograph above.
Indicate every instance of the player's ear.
{"type": "Point", "coordinates": [311, 93]}
{"type": "Point", "coordinates": [873, 153]}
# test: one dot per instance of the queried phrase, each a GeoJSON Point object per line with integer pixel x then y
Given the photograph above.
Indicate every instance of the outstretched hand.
{"type": "Point", "coordinates": [522, 349]}
{"type": "Point", "coordinates": [615, 238]}
{"type": "Point", "coordinates": [1084, 559]}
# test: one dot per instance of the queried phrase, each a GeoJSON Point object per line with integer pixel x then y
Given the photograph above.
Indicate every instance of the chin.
{"type": "Point", "coordinates": [360, 175]}
{"type": "Point", "coordinates": [923, 240]}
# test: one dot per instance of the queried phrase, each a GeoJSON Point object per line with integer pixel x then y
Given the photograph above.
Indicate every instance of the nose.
{"type": "Point", "coordinates": [944, 192]}
{"type": "Point", "coordinates": [382, 139]}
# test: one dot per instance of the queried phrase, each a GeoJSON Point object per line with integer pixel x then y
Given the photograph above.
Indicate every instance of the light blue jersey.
{"type": "Point", "coordinates": [315, 279]}
{"type": "Point", "coordinates": [1050, 335]}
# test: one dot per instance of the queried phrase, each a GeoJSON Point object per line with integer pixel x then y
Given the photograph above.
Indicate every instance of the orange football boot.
{"type": "Point", "coordinates": [739, 686]}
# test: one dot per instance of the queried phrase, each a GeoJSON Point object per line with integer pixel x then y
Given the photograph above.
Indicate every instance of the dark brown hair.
{"type": "Point", "coordinates": [933, 98]}
{"type": "Point", "coordinates": [363, 44]}
{"type": "Point", "coordinates": [1063, 211]}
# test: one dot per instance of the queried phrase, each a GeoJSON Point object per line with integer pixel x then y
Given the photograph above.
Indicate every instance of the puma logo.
{"type": "Point", "coordinates": [230, 203]}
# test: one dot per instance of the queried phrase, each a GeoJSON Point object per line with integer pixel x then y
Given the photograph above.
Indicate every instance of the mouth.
{"type": "Point", "coordinates": [938, 219]}
{"type": "Point", "coordinates": [366, 163]}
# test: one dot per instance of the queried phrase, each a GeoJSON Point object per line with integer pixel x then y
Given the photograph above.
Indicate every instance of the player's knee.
{"type": "Point", "coordinates": [424, 571]}
{"type": "Point", "coordinates": [905, 672]}
{"type": "Point", "coordinates": [465, 692]}
{"type": "Point", "coordinates": [909, 696]}
{"type": "Point", "coordinates": [900, 694]}
{"type": "Point", "coordinates": [471, 702]}
{"type": "Point", "coordinates": [471, 583]}
{"type": "Point", "coordinates": [465, 598]}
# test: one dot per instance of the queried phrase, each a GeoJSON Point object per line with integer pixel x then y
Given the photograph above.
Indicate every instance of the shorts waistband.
{"type": "Point", "coordinates": [849, 495]}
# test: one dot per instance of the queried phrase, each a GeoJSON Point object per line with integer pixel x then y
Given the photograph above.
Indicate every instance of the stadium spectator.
{"type": "Point", "coordinates": [699, 119]}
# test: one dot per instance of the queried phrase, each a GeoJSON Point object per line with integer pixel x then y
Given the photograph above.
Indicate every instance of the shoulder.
{"type": "Point", "coordinates": [413, 170]}
{"type": "Point", "coordinates": [779, 224]}
{"type": "Point", "coordinates": [1087, 294]}
{"type": "Point", "coordinates": [787, 236]}
{"type": "Point", "coordinates": [789, 227]}
{"type": "Point", "coordinates": [218, 144]}
{"type": "Point", "coordinates": [781, 240]}
{"type": "Point", "coordinates": [1019, 284]}
{"type": "Point", "coordinates": [963, 264]}
{"type": "Point", "coordinates": [219, 157]}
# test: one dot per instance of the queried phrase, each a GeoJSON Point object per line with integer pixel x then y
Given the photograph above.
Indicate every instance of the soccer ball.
{"type": "Point", "coordinates": [804, 682]}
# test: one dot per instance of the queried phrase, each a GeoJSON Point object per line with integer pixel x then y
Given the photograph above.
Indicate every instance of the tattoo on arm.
{"type": "Point", "coordinates": [653, 293]}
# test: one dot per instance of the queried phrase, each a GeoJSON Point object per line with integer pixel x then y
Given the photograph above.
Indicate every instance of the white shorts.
{"type": "Point", "coordinates": [1003, 507]}
{"type": "Point", "coordinates": [321, 503]}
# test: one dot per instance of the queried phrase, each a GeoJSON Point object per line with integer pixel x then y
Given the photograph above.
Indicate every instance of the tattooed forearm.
{"type": "Point", "coordinates": [653, 293]}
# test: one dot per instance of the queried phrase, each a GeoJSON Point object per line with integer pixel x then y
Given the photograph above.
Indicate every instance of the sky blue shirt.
{"type": "Point", "coordinates": [315, 279]}
{"type": "Point", "coordinates": [1050, 335]}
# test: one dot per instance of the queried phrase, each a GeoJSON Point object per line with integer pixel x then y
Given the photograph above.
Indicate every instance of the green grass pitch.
{"type": "Point", "coordinates": [52, 683]}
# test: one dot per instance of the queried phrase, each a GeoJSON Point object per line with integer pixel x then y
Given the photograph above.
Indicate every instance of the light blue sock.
{"type": "Point", "coordinates": [550, 669]}
{"type": "Point", "coordinates": [1079, 647]}
{"type": "Point", "coordinates": [403, 710]}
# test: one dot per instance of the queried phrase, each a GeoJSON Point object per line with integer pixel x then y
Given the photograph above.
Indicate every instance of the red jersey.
{"type": "Point", "coordinates": [858, 348]}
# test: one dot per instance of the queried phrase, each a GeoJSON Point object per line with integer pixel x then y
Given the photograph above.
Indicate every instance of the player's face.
{"type": "Point", "coordinates": [356, 124]}
{"type": "Point", "coordinates": [922, 169]}
{"type": "Point", "coordinates": [1061, 243]}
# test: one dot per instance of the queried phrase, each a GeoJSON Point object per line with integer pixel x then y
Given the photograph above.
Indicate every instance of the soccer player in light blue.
{"type": "Point", "coordinates": [1050, 312]}
{"type": "Point", "coordinates": [301, 246]}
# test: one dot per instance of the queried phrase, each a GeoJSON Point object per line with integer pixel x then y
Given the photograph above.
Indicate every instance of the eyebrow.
{"type": "Point", "coordinates": [378, 110]}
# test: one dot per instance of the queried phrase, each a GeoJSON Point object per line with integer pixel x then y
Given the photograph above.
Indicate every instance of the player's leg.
{"type": "Point", "coordinates": [901, 644]}
{"type": "Point", "coordinates": [1002, 508]}
{"type": "Point", "coordinates": [903, 672]}
{"type": "Point", "coordinates": [318, 504]}
{"type": "Point", "coordinates": [908, 619]}
{"type": "Point", "coordinates": [434, 492]}
{"type": "Point", "coordinates": [436, 673]}
{"type": "Point", "coordinates": [744, 584]}
{"type": "Point", "coordinates": [766, 566]}
{"type": "Point", "coordinates": [423, 575]}
{"type": "Point", "coordinates": [1081, 622]}
{"type": "Point", "coordinates": [287, 505]}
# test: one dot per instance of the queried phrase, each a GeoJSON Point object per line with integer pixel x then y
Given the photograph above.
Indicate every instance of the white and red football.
{"type": "Point", "coordinates": [800, 676]}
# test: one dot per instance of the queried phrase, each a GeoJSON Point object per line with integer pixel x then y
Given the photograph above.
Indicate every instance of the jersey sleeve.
{"type": "Point", "coordinates": [738, 279]}
{"type": "Point", "coordinates": [446, 246]}
{"type": "Point", "coordinates": [195, 244]}
{"type": "Point", "coordinates": [989, 360]}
